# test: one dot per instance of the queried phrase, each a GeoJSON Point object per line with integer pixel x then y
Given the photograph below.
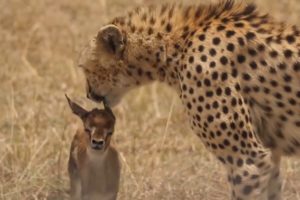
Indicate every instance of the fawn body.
{"type": "Point", "coordinates": [94, 166]}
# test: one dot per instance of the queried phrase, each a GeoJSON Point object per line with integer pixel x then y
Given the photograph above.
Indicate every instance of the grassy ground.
{"type": "Point", "coordinates": [162, 159]}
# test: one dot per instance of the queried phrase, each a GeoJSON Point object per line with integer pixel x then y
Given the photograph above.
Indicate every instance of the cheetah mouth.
{"type": "Point", "coordinates": [95, 97]}
{"type": "Point", "coordinates": [111, 100]}
{"type": "Point", "coordinates": [108, 100]}
{"type": "Point", "coordinates": [99, 99]}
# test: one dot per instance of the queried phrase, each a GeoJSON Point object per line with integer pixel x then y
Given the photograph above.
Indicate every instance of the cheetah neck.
{"type": "Point", "coordinates": [159, 37]}
{"type": "Point", "coordinates": [151, 59]}
{"type": "Point", "coordinates": [154, 43]}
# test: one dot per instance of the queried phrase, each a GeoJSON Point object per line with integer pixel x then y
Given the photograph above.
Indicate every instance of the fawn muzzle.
{"type": "Point", "coordinates": [98, 144]}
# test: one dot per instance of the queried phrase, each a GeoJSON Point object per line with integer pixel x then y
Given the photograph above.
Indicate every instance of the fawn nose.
{"type": "Point", "coordinates": [97, 144]}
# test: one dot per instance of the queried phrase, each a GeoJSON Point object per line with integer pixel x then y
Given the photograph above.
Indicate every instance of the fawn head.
{"type": "Point", "coordinates": [98, 124]}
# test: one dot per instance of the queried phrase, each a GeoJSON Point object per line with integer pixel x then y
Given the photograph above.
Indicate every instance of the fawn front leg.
{"type": "Point", "coordinates": [75, 191]}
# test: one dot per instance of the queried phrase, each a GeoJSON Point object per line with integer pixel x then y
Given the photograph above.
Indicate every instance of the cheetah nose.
{"type": "Point", "coordinates": [97, 144]}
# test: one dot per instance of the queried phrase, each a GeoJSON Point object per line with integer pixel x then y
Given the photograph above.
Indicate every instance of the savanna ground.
{"type": "Point", "coordinates": [162, 159]}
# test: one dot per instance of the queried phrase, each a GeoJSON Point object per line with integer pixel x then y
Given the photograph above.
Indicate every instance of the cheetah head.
{"type": "Point", "coordinates": [104, 67]}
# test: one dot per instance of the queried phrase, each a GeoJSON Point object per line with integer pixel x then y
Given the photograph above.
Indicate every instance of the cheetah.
{"type": "Point", "coordinates": [236, 71]}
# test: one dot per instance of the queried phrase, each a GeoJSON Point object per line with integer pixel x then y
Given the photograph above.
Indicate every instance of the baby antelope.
{"type": "Point", "coordinates": [94, 166]}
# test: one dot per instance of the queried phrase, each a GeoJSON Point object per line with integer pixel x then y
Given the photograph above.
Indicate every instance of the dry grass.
{"type": "Point", "coordinates": [161, 158]}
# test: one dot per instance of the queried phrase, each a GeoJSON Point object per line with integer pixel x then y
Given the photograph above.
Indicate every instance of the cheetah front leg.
{"type": "Point", "coordinates": [252, 180]}
{"type": "Point", "coordinates": [230, 136]}
{"type": "Point", "coordinates": [274, 186]}
{"type": "Point", "coordinates": [261, 178]}
{"type": "Point", "coordinates": [275, 182]}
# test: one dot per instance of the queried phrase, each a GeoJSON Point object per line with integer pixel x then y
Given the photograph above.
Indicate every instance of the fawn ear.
{"type": "Point", "coordinates": [112, 38]}
{"type": "Point", "coordinates": [77, 109]}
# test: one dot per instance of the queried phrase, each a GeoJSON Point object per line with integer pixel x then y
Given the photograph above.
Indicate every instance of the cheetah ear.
{"type": "Point", "coordinates": [112, 38]}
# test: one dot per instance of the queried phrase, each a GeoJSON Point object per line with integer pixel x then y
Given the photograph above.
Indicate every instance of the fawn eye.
{"type": "Point", "coordinates": [87, 130]}
{"type": "Point", "coordinates": [110, 133]}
